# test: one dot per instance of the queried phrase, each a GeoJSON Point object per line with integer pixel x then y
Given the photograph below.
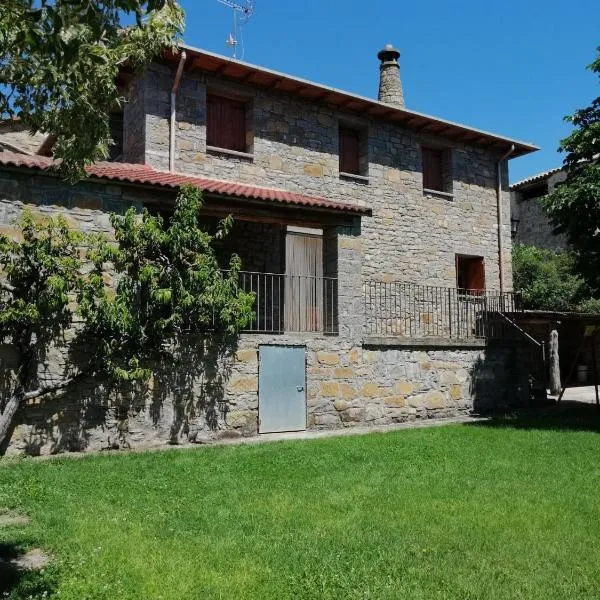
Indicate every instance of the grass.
{"type": "Point", "coordinates": [453, 512]}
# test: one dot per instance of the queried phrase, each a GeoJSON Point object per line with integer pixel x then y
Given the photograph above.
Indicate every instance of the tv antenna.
{"type": "Point", "coordinates": [242, 11]}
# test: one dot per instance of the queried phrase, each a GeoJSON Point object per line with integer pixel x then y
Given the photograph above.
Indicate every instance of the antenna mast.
{"type": "Point", "coordinates": [242, 11]}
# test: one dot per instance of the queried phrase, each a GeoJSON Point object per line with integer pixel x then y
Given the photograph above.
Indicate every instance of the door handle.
{"type": "Point", "coordinates": [300, 388]}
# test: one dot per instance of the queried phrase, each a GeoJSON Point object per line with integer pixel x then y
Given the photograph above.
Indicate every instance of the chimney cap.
{"type": "Point", "coordinates": [389, 53]}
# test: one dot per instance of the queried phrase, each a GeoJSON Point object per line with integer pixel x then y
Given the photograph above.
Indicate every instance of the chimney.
{"type": "Point", "coordinates": [390, 86]}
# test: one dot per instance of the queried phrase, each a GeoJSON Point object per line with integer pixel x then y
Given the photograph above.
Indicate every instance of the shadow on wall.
{"type": "Point", "coordinates": [506, 377]}
{"type": "Point", "coordinates": [183, 402]}
{"type": "Point", "coordinates": [19, 583]}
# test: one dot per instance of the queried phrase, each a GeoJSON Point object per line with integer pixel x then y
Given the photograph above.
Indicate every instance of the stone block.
{"type": "Point", "coordinates": [326, 420]}
{"type": "Point", "coordinates": [435, 400]}
{"type": "Point", "coordinates": [328, 358]}
{"type": "Point", "coordinates": [249, 355]}
{"type": "Point", "coordinates": [370, 390]}
{"type": "Point", "coordinates": [395, 401]}
{"type": "Point", "coordinates": [354, 356]}
{"type": "Point", "coordinates": [313, 170]}
{"type": "Point", "coordinates": [404, 388]}
{"type": "Point", "coordinates": [341, 405]}
{"type": "Point", "coordinates": [347, 391]}
{"type": "Point", "coordinates": [456, 392]}
{"type": "Point", "coordinates": [329, 389]}
{"type": "Point", "coordinates": [243, 385]}
{"type": "Point", "coordinates": [353, 415]}
{"type": "Point", "coordinates": [343, 373]}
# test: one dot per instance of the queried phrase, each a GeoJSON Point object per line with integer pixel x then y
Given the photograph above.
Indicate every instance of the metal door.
{"type": "Point", "coordinates": [282, 395]}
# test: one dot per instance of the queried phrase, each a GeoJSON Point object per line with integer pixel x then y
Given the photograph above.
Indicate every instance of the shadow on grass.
{"type": "Point", "coordinates": [568, 416]}
{"type": "Point", "coordinates": [22, 584]}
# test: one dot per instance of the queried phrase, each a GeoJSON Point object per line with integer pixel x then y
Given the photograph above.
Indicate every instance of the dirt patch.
{"type": "Point", "coordinates": [34, 560]}
{"type": "Point", "coordinates": [10, 519]}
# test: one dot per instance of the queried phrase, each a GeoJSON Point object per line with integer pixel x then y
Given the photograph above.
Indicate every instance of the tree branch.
{"type": "Point", "coordinates": [52, 389]}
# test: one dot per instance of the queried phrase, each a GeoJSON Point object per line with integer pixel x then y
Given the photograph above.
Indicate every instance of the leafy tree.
{"type": "Point", "coordinates": [59, 61]}
{"type": "Point", "coordinates": [549, 280]}
{"type": "Point", "coordinates": [546, 278]}
{"type": "Point", "coordinates": [574, 206]}
{"type": "Point", "coordinates": [169, 289]}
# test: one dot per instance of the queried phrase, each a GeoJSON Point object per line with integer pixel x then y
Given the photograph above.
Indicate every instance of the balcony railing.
{"type": "Point", "coordinates": [291, 303]}
{"type": "Point", "coordinates": [419, 312]}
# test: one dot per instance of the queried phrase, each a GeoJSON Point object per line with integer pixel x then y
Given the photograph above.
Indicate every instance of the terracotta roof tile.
{"type": "Point", "coordinates": [147, 175]}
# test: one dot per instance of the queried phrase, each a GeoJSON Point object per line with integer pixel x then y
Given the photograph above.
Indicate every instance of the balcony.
{"type": "Point", "coordinates": [419, 312]}
{"type": "Point", "coordinates": [291, 303]}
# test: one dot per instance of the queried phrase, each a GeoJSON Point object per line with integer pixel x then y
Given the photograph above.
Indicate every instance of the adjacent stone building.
{"type": "Point", "coordinates": [376, 239]}
{"type": "Point", "coordinates": [529, 221]}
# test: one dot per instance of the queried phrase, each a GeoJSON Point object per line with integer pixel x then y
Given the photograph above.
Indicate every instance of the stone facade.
{"type": "Point", "coordinates": [15, 136]}
{"type": "Point", "coordinates": [411, 236]}
{"type": "Point", "coordinates": [532, 225]}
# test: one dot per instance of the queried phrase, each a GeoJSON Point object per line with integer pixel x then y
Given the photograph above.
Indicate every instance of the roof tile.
{"type": "Point", "coordinates": [147, 175]}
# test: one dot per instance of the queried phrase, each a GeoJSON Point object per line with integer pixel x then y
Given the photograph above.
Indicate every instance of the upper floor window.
{"type": "Point", "coordinates": [353, 151]}
{"type": "Point", "coordinates": [226, 123]}
{"type": "Point", "coordinates": [436, 170]}
{"type": "Point", "coordinates": [470, 273]}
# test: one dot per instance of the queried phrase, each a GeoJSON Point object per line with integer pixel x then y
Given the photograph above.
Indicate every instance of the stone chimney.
{"type": "Point", "coordinates": [390, 86]}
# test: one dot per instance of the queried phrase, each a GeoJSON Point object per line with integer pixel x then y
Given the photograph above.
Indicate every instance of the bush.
{"type": "Point", "coordinates": [548, 280]}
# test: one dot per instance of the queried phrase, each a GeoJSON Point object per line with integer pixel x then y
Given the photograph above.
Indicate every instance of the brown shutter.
{"type": "Point", "coordinates": [225, 123]}
{"type": "Point", "coordinates": [349, 151]}
{"type": "Point", "coordinates": [433, 169]}
{"type": "Point", "coordinates": [476, 274]}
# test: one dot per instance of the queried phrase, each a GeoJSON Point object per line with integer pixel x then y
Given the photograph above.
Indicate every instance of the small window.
{"type": "Point", "coordinates": [349, 151]}
{"type": "Point", "coordinates": [225, 123]}
{"type": "Point", "coordinates": [435, 171]}
{"type": "Point", "coordinates": [470, 273]}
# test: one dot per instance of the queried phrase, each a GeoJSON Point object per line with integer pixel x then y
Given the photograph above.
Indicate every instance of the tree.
{"type": "Point", "coordinates": [574, 205]}
{"type": "Point", "coordinates": [170, 289]}
{"type": "Point", "coordinates": [59, 61]}
{"type": "Point", "coordinates": [546, 278]}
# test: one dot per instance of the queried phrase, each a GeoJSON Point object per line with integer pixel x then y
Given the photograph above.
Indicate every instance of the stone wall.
{"type": "Point", "coordinates": [412, 236]}
{"type": "Point", "coordinates": [347, 385]}
{"type": "Point", "coordinates": [534, 227]}
{"type": "Point", "coordinates": [17, 136]}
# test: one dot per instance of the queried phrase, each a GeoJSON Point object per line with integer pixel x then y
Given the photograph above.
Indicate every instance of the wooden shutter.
{"type": "Point", "coordinates": [303, 282]}
{"type": "Point", "coordinates": [476, 274]}
{"type": "Point", "coordinates": [349, 151]}
{"type": "Point", "coordinates": [470, 273]}
{"type": "Point", "coordinates": [433, 169]}
{"type": "Point", "coordinates": [225, 123]}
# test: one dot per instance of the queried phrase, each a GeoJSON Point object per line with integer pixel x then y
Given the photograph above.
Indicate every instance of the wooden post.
{"type": "Point", "coordinates": [595, 367]}
{"type": "Point", "coordinates": [555, 385]}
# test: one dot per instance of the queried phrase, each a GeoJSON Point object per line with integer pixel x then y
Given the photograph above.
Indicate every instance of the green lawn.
{"type": "Point", "coordinates": [455, 512]}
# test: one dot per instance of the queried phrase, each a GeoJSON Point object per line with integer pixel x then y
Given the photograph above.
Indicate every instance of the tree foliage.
{"type": "Point", "coordinates": [128, 303]}
{"type": "Point", "coordinates": [574, 205]}
{"type": "Point", "coordinates": [59, 61]}
{"type": "Point", "coordinates": [549, 280]}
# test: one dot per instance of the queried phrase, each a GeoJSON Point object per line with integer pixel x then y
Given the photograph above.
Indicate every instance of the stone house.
{"type": "Point", "coordinates": [376, 239]}
{"type": "Point", "coordinates": [529, 222]}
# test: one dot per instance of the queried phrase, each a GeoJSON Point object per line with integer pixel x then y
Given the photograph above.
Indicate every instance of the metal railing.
{"type": "Point", "coordinates": [291, 303]}
{"type": "Point", "coordinates": [418, 311]}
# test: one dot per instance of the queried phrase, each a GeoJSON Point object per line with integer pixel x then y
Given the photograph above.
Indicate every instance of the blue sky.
{"type": "Point", "coordinates": [514, 67]}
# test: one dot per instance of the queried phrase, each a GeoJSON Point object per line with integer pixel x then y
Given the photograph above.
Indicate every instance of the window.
{"type": "Point", "coordinates": [435, 171]}
{"type": "Point", "coordinates": [225, 123]}
{"type": "Point", "coordinates": [470, 273]}
{"type": "Point", "coordinates": [349, 151]}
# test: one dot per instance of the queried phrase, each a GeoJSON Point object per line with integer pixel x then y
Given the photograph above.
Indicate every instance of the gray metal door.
{"type": "Point", "coordinates": [282, 397]}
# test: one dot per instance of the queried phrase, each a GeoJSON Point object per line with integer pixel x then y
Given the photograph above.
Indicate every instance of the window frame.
{"type": "Point", "coordinates": [444, 177]}
{"type": "Point", "coordinates": [216, 140]}
{"type": "Point", "coordinates": [462, 261]}
{"type": "Point", "coordinates": [360, 132]}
